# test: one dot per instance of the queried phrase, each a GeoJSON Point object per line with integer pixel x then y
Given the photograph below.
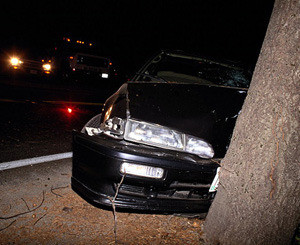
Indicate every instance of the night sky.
{"type": "Point", "coordinates": [132, 31]}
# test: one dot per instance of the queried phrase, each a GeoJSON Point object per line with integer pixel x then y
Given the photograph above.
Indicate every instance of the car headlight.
{"type": "Point", "coordinates": [104, 75]}
{"type": "Point", "coordinates": [47, 67]}
{"type": "Point", "coordinates": [159, 136]}
{"type": "Point", "coordinates": [15, 61]}
{"type": "Point", "coordinates": [199, 147]}
{"type": "Point", "coordinates": [151, 134]}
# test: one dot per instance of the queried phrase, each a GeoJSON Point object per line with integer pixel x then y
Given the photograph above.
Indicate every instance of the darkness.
{"type": "Point", "coordinates": [132, 31]}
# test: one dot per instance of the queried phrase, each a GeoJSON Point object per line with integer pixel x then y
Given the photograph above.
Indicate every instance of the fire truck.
{"type": "Point", "coordinates": [77, 59]}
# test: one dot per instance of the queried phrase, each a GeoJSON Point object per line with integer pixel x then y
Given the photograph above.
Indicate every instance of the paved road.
{"type": "Point", "coordinates": [59, 216]}
{"type": "Point", "coordinates": [34, 118]}
{"type": "Point", "coordinates": [36, 129]}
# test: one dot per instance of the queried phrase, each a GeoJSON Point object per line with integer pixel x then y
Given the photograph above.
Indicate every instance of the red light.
{"type": "Point", "coordinates": [69, 110]}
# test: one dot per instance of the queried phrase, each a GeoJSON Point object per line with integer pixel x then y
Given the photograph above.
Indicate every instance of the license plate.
{"type": "Point", "coordinates": [215, 183]}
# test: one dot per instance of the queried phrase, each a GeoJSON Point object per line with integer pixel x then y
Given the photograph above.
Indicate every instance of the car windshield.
{"type": "Point", "coordinates": [188, 69]}
{"type": "Point", "coordinates": [92, 61]}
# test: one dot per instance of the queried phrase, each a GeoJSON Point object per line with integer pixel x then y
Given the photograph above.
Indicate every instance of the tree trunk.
{"type": "Point", "coordinates": [258, 200]}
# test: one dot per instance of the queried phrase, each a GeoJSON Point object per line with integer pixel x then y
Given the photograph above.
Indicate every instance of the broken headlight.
{"type": "Point", "coordinates": [159, 136]}
{"type": "Point", "coordinates": [113, 127]}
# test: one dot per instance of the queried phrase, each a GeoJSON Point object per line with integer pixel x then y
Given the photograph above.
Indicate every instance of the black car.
{"type": "Point", "coordinates": [157, 144]}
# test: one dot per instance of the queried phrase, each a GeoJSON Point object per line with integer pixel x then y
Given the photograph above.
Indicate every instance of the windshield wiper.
{"type": "Point", "coordinates": [153, 77]}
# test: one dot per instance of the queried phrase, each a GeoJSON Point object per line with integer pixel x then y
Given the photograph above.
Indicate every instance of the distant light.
{"type": "Point", "coordinates": [71, 57]}
{"type": "Point", "coordinates": [69, 110]}
{"type": "Point", "coordinates": [15, 61]}
{"type": "Point", "coordinates": [110, 63]}
{"type": "Point", "coordinates": [73, 69]}
{"type": "Point", "coordinates": [91, 44]}
{"type": "Point", "coordinates": [104, 75]}
{"type": "Point", "coordinates": [68, 40]}
{"type": "Point", "coordinates": [47, 67]}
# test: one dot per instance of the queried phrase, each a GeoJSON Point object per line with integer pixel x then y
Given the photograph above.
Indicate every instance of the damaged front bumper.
{"type": "Point", "coordinates": [183, 188]}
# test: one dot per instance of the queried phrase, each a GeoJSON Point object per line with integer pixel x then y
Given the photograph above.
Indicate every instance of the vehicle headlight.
{"type": "Point", "coordinates": [104, 75]}
{"type": "Point", "coordinates": [199, 147]}
{"type": "Point", "coordinates": [152, 134]}
{"type": "Point", "coordinates": [159, 136]}
{"type": "Point", "coordinates": [15, 61]}
{"type": "Point", "coordinates": [47, 67]}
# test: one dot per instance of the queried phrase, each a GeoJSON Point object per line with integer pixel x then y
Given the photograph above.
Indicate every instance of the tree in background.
{"type": "Point", "coordinates": [258, 200]}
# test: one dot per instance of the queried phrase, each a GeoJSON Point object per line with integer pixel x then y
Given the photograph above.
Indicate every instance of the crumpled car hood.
{"type": "Point", "coordinates": [208, 112]}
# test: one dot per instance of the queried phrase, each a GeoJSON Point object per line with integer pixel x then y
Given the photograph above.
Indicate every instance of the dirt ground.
{"type": "Point", "coordinates": [37, 206]}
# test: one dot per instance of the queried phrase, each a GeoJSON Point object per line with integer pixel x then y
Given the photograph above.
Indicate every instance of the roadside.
{"type": "Point", "coordinates": [60, 216]}
{"type": "Point", "coordinates": [36, 129]}
{"type": "Point", "coordinates": [34, 115]}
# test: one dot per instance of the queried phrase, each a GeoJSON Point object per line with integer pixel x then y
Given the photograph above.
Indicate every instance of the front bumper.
{"type": "Point", "coordinates": [96, 174]}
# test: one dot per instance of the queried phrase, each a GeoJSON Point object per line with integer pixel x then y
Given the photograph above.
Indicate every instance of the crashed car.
{"type": "Point", "coordinates": [157, 144]}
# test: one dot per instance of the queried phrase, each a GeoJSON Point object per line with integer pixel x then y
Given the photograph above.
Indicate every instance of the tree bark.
{"type": "Point", "coordinates": [258, 200]}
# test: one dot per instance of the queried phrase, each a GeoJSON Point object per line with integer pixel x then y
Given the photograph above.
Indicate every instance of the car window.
{"type": "Point", "coordinates": [196, 70]}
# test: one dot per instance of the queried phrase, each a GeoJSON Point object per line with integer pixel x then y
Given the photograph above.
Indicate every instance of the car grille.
{"type": "Point", "coordinates": [176, 190]}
